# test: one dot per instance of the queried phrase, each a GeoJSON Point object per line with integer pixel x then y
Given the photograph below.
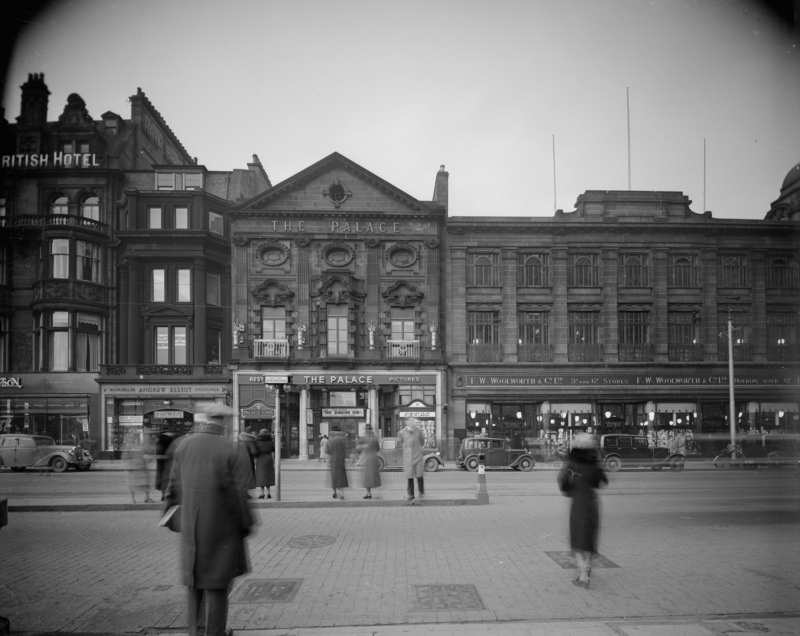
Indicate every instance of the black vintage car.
{"type": "Point", "coordinates": [493, 452]}
{"type": "Point", "coordinates": [634, 451]}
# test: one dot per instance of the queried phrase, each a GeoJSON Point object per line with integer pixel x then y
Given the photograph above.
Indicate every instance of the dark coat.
{"type": "Point", "coordinates": [371, 465]}
{"type": "Point", "coordinates": [209, 480]}
{"type": "Point", "coordinates": [584, 513]}
{"type": "Point", "coordinates": [163, 460]}
{"type": "Point", "coordinates": [337, 452]}
{"type": "Point", "coordinates": [265, 461]}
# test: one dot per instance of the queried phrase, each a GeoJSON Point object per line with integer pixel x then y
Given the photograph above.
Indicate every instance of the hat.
{"type": "Point", "coordinates": [218, 410]}
{"type": "Point", "coordinates": [583, 440]}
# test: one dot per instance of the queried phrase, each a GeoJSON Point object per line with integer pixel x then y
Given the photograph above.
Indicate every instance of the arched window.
{"type": "Point", "coordinates": [90, 208]}
{"type": "Point", "coordinates": [60, 205]}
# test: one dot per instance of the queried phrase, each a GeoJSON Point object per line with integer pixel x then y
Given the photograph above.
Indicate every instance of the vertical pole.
{"type": "Point", "coordinates": [276, 436]}
{"type": "Point", "coordinates": [704, 175]}
{"type": "Point", "coordinates": [555, 196]}
{"type": "Point", "coordinates": [628, 102]}
{"type": "Point", "coordinates": [732, 404]}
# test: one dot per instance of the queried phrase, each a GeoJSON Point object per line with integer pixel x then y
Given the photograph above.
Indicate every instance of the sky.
{"type": "Point", "coordinates": [527, 103]}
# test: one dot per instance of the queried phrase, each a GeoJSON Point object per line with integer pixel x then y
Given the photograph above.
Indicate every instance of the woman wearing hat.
{"type": "Point", "coordinates": [580, 478]}
{"type": "Point", "coordinates": [265, 463]}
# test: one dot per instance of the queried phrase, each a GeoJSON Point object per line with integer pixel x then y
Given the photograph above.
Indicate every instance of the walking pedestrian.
{"type": "Point", "coordinates": [138, 477]}
{"type": "Point", "coordinates": [369, 447]}
{"type": "Point", "coordinates": [337, 452]}
{"type": "Point", "coordinates": [411, 440]}
{"type": "Point", "coordinates": [265, 463]}
{"type": "Point", "coordinates": [209, 481]}
{"type": "Point", "coordinates": [247, 442]}
{"type": "Point", "coordinates": [580, 477]}
{"type": "Point", "coordinates": [163, 442]}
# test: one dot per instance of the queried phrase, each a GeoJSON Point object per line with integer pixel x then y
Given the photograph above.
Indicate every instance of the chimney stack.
{"type": "Point", "coordinates": [441, 188]}
{"type": "Point", "coordinates": [33, 112]}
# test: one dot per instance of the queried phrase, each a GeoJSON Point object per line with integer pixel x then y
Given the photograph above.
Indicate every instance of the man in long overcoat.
{"type": "Point", "coordinates": [209, 480]}
{"type": "Point", "coordinates": [411, 440]}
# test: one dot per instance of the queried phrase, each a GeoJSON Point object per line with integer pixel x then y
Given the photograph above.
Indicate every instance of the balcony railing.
{"type": "Point", "coordinates": [741, 352]}
{"type": "Point", "coordinates": [640, 352]}
{"type": "Point", "coordinates": [59, 220]}
{"type": "Point", "coordinates": [535, 353]}
{"type": "Point", "coordinates": [585, 352]}
{"type": "Point", "coordinates": [685, 352]}
{"type": "Point", "coordinates": [402, 349]}
{"type": "Point", "coordinates": [783, 353]}
{"type": "Point", "coordinates": [484, 353]}
{"type": "Point", "coordinates": [270, 349]}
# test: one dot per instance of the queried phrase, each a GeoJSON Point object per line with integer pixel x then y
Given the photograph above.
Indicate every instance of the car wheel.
{"type": "Point", "coordinates": [472, 463]}
{"type": "Point", "coordinates": [431, 465]}
{"type": "Point", "coordinates": [525, 464]}
{"type": "Point", "coordinates": [58, 464]}
{"type": "Point", "coordinates": [613, 464]}
{"type": "Point", "coordinates": [677, 464]}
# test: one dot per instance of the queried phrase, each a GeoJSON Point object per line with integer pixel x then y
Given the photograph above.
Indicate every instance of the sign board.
{"type": "Point", "coordinates": [168, 415]}
{"type": "Point", "coordinates": [344, 412]}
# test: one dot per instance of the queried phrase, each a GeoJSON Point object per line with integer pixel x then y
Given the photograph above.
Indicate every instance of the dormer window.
{"type": "Point", "coordinates": [179, 181]}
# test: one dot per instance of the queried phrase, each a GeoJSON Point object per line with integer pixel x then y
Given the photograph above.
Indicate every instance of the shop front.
{"type": "Point", "coordinates": [59, 405]}
{"type": "Point", "coordinates": [309, 404]}
{"type": "Point", "coordinates": [687, 412]}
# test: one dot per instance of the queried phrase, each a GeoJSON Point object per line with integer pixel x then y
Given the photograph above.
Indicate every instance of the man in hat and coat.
{"type": "Point", "coordinates": [209, 481]}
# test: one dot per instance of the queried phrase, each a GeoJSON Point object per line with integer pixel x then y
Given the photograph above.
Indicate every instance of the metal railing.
{"type": "Point", "coordinates": [402, 349]}
{"type": "Point", "coordinates": [263, 348]}
{"type": "Point", "coordinates": [535, 353]}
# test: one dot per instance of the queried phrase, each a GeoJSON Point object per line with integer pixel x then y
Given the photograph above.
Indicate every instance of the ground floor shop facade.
{"type": "Point", "coordinates": [685, 409]}
{"type": "Point", "coordinates": [309, 403]}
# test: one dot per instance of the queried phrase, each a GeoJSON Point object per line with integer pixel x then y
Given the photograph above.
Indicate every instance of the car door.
{"type": "Point", "coordinates": [8, 450]}
{"type": "Point", "coordinates": [496, 453]}
{"type": "Point", "coordinates": [641, 451]}
{"type": "Point", "coordinates": [390, 452]}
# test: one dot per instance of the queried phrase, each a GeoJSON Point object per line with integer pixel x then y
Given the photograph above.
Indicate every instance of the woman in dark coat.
{"type": "Point", "coordinates": [265, 463]}
{"type": "Point", "coordinates": [163, 466]}
{"type": "Point", "coordinates": [584, 515]}
{"type": "Point", "coordinates": [369, 447]}
{"type": "Point", "coordinates": [337, 453]}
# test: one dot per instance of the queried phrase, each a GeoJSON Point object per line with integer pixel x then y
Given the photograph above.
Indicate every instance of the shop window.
{"type": "Point", "coordinates": [170, 345]}
{"type": "Point", "coordinates": [533, 270]}
{"type": "Point", "coordinates": [782, 272]}
{"type": "Point", "coordinates": [337, 330]}
{"type": "Point", "coordinates": [483, 270]}
{"type": "Point", "coordinates": [635, 270]}
{"type": "Point", "coordinates": [154, 220]}
{"type": "Point", "coordinates": [733, 271]}
{"type": "Point", "coordinates": [584, 270]}
{"type": "Point", "coordinates": [683, 270]}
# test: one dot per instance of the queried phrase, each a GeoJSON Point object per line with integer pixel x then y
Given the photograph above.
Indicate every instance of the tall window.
{"type": "Point", "coordinates": [4, 265]}
{"type": "Point", "coordinates": [88, 261]}
{"type": "Point", "coordinates": [534, 327]}
{"type": "Point", "coordinates": [634, 327]}
{"type": "Point", "coordinates": [4, 342]}
{"type": "Point", "coordinates": [213, 291]}
{"type": "Point", "coordinates": [181, 218]}
{"type": "Point", "coordinates": [87, 342]}
{"type": "Point", "coordinates": [584, 270]}
{"type": "Point", "coordinates": [60, 205]}
{"type": "Point", "coordinates": [635, 270]}
{"type": "Point", "coordinates": [783, 335]}
{"type": "Point", "coordinates": [782, 272]}
{"type": "Point", "coordinates": [3, 211]}
{"type": "Point", "coordinates": [158, 289]}
{"type": "Point", "coordinates": [402, 324]}
{"type": "Point", "coordinates": [213, 345]}
{"type": "Point", "coordinates": [170, 343]}
{"type": "Point", "coordinates": [184, 279]}
{"type": "Point", "coordinates": [683, 270]}
{"type": "Point", "coordinates": [59, 258]}
{"type": "Point", "coordinates": [273, 323]}
{"type": "Point", "coordinates": [215, 223]}
{"type": "Point", "coordinates": [533, 270]}
{"type": "Point", "coordinates": [154, 220]}
{"type": "Point", "coordinates": [90, 208]}
{"type": "Point", "coordinates": [740, 336]}
{"type": "Point", "coordinates": [483, 270]}
{"type": "Point", "coordinates": [483, 327]}
{"type": "Point", "coordinates": [58, 341]}
{"type": "Point", "coordinates": [733, 271]}
{"type": "Point", "coordinates": [584, 327]}
{"type": "Point", "coordinates": [337, 330]}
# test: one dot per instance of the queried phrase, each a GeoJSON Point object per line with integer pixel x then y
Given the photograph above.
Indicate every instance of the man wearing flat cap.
{"type": "Point", "coordinates": [209, 480]}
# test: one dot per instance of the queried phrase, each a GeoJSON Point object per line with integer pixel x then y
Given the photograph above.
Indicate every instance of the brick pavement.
{"type": "Point", "coordinates": [402, 569]}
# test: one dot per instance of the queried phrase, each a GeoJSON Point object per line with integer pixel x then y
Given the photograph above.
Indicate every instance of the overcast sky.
{"type": "Point", "coordinates": [499, 91]}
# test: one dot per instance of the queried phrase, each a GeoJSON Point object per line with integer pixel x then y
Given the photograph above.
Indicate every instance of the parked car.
{"type": "Point", "coordinates": [619, 450]}
{"type": "Point", "coordinates": [493, 452]}
{"type": "Point", "coordinates": [391, 456]}
{"type": "Point", "coordinates": [18, 452]}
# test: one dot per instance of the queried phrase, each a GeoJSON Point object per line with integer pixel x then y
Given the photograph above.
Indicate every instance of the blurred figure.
{"type": "Point", "coordinates": [369, 447]}
{"type": "Point", "coordinates": [265, 463]}
{"type": "Point", "coordinates": [247, 441]}
{"type": "Point", "coordinates": [323, 448]}
{"type": "Point", "coordinates": [410, 439]}
{"type": "Point", "coordinates": [209, 481]}
{"type": "Point", "coordinates": [584, 513]}
{"type": "Point", "coordinates": [138, 477]}
{"type": "Point", "coordinates": [337, 452]}
{"type": "Point", "coordinates": [163, 442]}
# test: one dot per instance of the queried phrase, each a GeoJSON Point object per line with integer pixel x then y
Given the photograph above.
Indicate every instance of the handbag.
{"type": "Point", "coordinates": [171, 519]}
{"type": "Point", "coordinates": [567, 478]}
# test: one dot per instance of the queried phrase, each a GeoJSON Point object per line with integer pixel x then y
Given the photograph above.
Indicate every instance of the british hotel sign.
{"type": "Point", "coordinates": [51, 160]}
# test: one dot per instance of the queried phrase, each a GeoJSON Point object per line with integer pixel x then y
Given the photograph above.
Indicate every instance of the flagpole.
{"type": "Point", "coordinates": [628, 101]}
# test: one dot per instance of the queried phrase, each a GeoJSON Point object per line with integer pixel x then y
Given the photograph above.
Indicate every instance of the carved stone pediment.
{"type": "Point", "coordinates": [273, 293]}
{"type": "Point", "coordinates": [338, 288]}
{"type": "Point", "coordinates": [403, 294]}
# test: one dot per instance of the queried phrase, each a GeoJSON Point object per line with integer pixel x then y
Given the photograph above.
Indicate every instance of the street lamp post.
{"type": "Point", "coordinates": [731, 398]}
